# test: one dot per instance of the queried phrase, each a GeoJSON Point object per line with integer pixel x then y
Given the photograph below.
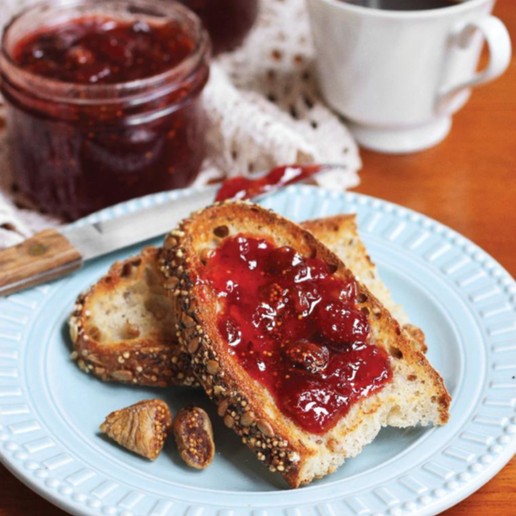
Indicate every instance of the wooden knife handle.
{"type": "Point", "coordinates": [45, 256]}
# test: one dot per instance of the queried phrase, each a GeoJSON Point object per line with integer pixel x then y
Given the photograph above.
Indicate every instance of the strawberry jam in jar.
{"type": "Point", "coordinates": [227, 21]}
{"type": "Point", "coordinates": [103, 101]}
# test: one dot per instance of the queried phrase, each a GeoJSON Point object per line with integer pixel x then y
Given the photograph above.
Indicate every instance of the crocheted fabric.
{"type": "Point", "coordinates": [263, 106]}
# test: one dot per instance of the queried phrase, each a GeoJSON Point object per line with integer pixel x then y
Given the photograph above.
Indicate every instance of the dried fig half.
{"type": "Point", "coordinates": [141, 428]}
{"type": "Point", "coordinates": [194, 437]}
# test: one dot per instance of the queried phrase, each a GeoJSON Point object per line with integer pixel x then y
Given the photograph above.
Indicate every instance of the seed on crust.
{"type": "Point", "coordinates": [265, 428]}
{"type": "Point", "coordinates": [74, 331]}
{"type": "Point", "coordinates": [194, 437]}
{"type": "Point", "coordinates": [187, 321]}
{"type": "Point", "coordinates": [170, 241]}
{"type": "Point", "coordinates": [212, 366]}
{"type": "Point", "coordinates": [218, 390]}
{"type": "Point", "coordinates": [122, 375]}
{"type": "Point", "coordinates": [170, 283]}
{"type": "Point", "coordinates": [247, 419]}
{"type": "Point", "coordinates": [141, 428]}
{"type": "Point", "coordinates": [222, 408]}
{"type": "Point", "coordinates": [229, 421]}
{"type": "Point", "coordinates": [193, 344]}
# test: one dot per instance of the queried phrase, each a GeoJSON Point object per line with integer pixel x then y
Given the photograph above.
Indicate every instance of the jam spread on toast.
{"type": "Point", "coordinates": [296, 328]}
{"type": "Point", "coordinates": [240, 188]}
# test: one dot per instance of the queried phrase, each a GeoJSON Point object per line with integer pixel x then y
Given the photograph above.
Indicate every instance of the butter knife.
{"type": "Point", "coordinates": [53, 253]}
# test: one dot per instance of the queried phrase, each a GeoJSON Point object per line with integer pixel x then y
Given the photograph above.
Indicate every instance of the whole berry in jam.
{"type": "Point", "coordinates": [340, 323]}
{"type": "Point", "coordinates": [307, 355]}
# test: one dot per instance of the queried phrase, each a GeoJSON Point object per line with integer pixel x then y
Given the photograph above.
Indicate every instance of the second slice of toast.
{"type": "Point", "coordinates": [414, 393]}
{"type": "Point", "coordinates": [122, 327]}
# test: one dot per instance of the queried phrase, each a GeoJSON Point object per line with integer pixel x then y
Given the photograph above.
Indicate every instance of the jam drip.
{"type": "Point", "coordinates": [240, 188]}
{"type": "Point", "coordinates": [295, 327]}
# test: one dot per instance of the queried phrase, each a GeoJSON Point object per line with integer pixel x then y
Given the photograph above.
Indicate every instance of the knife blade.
{"type": "Point", "coordinates": [53, 253]}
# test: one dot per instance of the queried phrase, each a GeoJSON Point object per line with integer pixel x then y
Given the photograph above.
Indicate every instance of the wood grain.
{"type": "Point", "coordinates": [45, 256]}
{"type": "Point", "coordinates": [468, 182]}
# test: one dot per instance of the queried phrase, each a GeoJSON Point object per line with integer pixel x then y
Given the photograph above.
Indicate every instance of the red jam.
{"type": "Point", "coordinates": [227, 21]}
{"type": "Point", "coordinates": [296, 328]}
{"type": "Point", "coordinates": [243, 188]}
{"type": "Point", "coordinates": [105, 105]}
{"type": "Point", "coordinates": [98, 50]}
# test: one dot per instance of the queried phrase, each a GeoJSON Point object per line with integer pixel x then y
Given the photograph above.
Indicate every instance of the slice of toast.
{"type": "Point", "coordinates": [340, 234]}
{"type": "Point", "coordinates": [122, 313]}
{"type": "Point", "coordinates": [122, 328]}
{"type": "Point", "coordinates": [415, 394]}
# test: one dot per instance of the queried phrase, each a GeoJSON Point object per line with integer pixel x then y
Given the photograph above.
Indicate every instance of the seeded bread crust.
{"type": "Point", "coordinates": [120, 331]}
{"type": "Point", "coordinates": [122, 328]}
{"type": "Point", "coordinates": [416, 395]}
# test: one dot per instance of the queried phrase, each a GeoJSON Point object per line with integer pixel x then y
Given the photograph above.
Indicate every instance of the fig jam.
{"type": "Point", "coordinates": [227, 21]}
{"type": "Point", "coordinates": [240, 188]}
{"type": "Point", "coordinates": [296, 328]}
{"type": "Point", "coordinates": [101, 50]}
{"type": "Point", "coordinates": [103, 102]}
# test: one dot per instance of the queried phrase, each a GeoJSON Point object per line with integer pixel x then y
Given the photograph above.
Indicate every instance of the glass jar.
{"type": "Point", "coordinates": [97, 117]}
{"type": "Point", "coordinates": [227, 21]}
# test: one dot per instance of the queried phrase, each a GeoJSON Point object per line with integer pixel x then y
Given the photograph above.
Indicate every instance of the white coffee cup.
{"type": "Point", "coordinates": [398, 76]}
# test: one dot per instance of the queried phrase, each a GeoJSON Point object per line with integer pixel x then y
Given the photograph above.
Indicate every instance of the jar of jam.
{"type": "Point", "coordinates": [103, 101]}
{"type": "Point", "coordinates": [227, 21]}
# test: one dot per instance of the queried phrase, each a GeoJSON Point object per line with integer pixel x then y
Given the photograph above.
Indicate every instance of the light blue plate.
{"type": "Point", "coordinates": [464, 301]}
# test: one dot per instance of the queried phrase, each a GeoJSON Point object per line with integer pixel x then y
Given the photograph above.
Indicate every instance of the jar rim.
{"type": "Point", "coordinates": [83, 94]}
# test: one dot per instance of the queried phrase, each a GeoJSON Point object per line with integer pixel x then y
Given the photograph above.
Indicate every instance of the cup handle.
{"type": "Point", "coordinates": [498, 42]}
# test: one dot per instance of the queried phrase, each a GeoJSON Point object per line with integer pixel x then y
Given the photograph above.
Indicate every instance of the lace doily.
{"type": "Point", "coordinates": [263, 107]}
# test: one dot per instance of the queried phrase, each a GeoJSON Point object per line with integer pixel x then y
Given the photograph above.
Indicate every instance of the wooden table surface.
{"type": "Point", "coordinates": [468, 182]}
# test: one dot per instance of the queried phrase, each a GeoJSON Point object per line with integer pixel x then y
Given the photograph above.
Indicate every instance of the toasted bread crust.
{"type": "Point", "coordinates": [115, 358]}
{"type": "Point", "coordinates": [126, 348]}
{"type": "Point", "coordinates": [246, 406]}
